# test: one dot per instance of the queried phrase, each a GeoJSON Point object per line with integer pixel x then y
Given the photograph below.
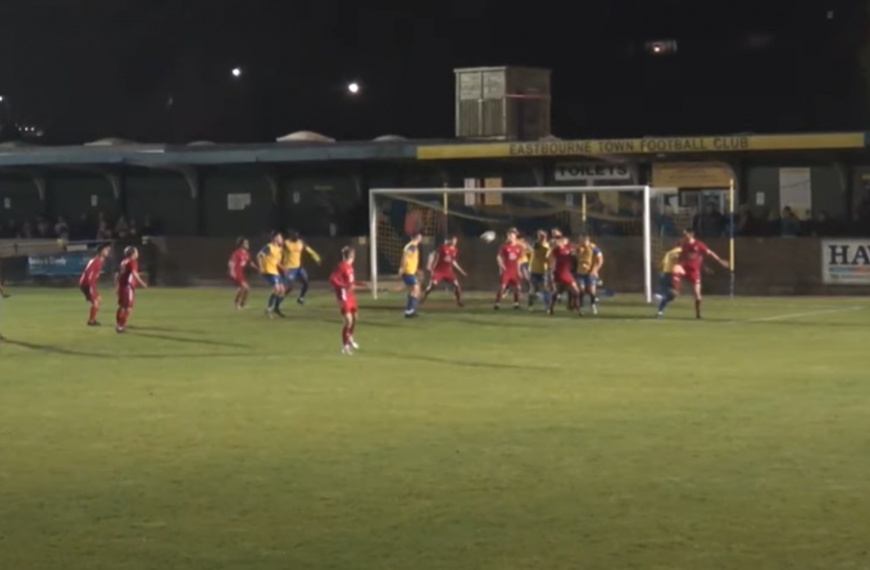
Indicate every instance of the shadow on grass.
{"type": "Point", "coordinates": [136, 328]}
{"type": "Point", "coordinates": [49, 349]}
{"type": "Point", "coordinates": [465, 363]}
{"type": "Point", "coordinates": [174, 338]}
{"type": "Point", "coordinates": [526, 324]}
{"type": "Point", "coordinates": [363, 322]}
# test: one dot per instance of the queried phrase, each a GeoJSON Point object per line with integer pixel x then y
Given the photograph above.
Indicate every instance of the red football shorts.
{"type": "Point", "coordinates": [510, 280]}
{"type": "Point", "coordinates": [564, 280]}
{"type": "Point", "coordinates": [239, 281]}
{"type": "Point", "coordinates": [346, 301]}
{"type": "Point", "coordinates": [126, 297]}
{"type": "Point", "coordinates": [439, 276]}
{"type": "Point", "coordinates": [91, 294]}
{"type": "Point", "coordinates": [692, 277]}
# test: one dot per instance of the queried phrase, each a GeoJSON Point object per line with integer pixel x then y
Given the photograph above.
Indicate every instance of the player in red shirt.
{"type": "Point", "coordinates": [344, 284]}
{"type": "Point", "coordinates": [239, 261]}
{"type": "Point", "coordinates": [508, 260]}
{"type": "Point", "coordinates": [127, 279]}
{"type": "Point", "coordinates": [691, 259]}
{"type": "Point", "coordinates": [562, 265]}
{"type": "Point", "coordinates": [441, 268]}
{"type": "Point", "coordinates": [88, 282]}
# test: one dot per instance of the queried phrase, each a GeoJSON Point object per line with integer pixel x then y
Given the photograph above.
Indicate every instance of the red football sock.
{"type": "Point", "coordinates": [125, 316]}
{"type": "Point", "coordinates": [457, 292]}
{"type": "Point", "coordinates": [93, 315]}
{"type": "Point", "coordinates": [345, 335]}
{"type": "Point", "coordinates": [517, 296]}
{"type": "Point", "coordinates": [119, 317]}
{"type": "Point", "coordinates": [351, 329]}
{"type": "Point", "coordinates": [697, 307]}
{"type": "Point", "coordinates": [499, 296]}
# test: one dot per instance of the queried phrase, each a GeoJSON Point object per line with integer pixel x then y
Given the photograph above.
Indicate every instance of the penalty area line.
{"type": "Point", "coordinates": [789, 316]}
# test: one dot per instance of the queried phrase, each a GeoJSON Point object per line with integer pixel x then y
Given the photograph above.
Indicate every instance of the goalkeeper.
{"type": "Point", "coordinates": [291, 264]}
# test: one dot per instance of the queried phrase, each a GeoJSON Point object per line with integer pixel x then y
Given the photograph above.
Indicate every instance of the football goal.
{"type": "Point", "coordinates": [633, 225]}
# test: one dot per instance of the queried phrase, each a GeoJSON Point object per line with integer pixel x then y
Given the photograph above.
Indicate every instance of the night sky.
{"type": "Point", "coordinates": [160, 70]}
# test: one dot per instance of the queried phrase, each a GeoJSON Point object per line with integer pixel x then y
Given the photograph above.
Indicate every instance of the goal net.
{"type": "Point", "coordinates": [633, 225]}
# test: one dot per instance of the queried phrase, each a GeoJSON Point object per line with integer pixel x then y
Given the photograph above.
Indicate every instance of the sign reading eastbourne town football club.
{"type": "Point", "coordinates": [846, 262]}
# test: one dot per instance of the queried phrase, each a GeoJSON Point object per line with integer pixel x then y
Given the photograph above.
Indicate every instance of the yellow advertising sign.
{"type": "Point", "coordinates": [666, 145]}
{"type": "Point", "coordinates": [691, 175]}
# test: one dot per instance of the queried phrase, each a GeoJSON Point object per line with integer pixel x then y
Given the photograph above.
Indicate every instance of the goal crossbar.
{"type": "Point", "coordinates": [646, 190]}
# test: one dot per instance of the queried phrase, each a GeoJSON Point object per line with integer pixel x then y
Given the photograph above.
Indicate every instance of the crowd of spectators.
{"type": "Point", "coordinates": [761, 222]}
{"type": "Point", "coordinates": [87, 227]}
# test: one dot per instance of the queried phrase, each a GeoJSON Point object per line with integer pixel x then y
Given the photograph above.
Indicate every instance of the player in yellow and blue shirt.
{"type": "Point", "coordinates": [269, 260]}
{"type": "Point", "coordinates": [669, 280]}
{"type": "Point", "coordinates": [539, 268]}
{"type": "Point", "coordinates": [524, 258]}
{"type": "Point", "coordinates": [291, 264]}
{"type": "Point", "coordinates": [589, 262]}
{"type": "Point", "coordinates": [408, 273]}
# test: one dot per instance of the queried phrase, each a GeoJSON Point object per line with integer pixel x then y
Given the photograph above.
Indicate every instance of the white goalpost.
{"type": "Point", "coordinates": [396, 212]}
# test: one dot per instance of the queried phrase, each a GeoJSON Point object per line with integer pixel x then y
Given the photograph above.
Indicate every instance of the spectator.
{"type": "Point", "coordinates": [790, 225]}
{"type": "Point", "coordinates": [667, 225]}
{"type": "Point", "coordinates": [121, 226]}
{"type": "Point", "coordinates": [43, 228]}
{"type": "Point", "coordinates": [61, 229]}
{"type": "Point", "coordinates": [148, 228]}
{"type": "Point", "coordinates": [103, 232]}
{"type": "Point", "coordinates": [747, 223]}
{"type": "Point", "coordinates": [711, 224]}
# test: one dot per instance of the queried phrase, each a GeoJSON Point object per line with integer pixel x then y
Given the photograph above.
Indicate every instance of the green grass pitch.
{"type": "Point", "coordinates": [209, 438]}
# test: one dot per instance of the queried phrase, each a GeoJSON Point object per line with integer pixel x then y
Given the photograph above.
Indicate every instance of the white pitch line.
{"type": "Point", "coordinates": [797, 315]}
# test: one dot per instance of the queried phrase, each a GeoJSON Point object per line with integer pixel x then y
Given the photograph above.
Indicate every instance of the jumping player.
{"type": "Point", "coordinates": [442, 269]}
{"type": "Point", "coordinates": [691, 259]}
{"type": "Point", "coordinates": [408, 273]}
{"type": "Point", "coordinates": [269, 260]}
{"type": "Point", "coordinates": [342, 281]}
{"type": "Point", "coordinates": [539, 268]}
{"type": "Point", "coordinates": [128, 279]}
{"type": "Point", "coordinates": [88, 282]}
{"type": "Point", "coordinates": [669, 280]}
{"type": "Point", "coordinates": [239, 261]}
{"type": "Point", "coordinates": [291, 263]}
{"type": "Point", "coordinates": [561, 262]}
{"type": "Point", "coordinates": [508, 260]}
{"type": "Point", "coordinates": [589, 262]}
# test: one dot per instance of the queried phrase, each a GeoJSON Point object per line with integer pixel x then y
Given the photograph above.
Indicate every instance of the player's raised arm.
{"type": "Point", "coordinates": [314, 255]}
{"type": "Point", "coordinates": [712, 254]}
